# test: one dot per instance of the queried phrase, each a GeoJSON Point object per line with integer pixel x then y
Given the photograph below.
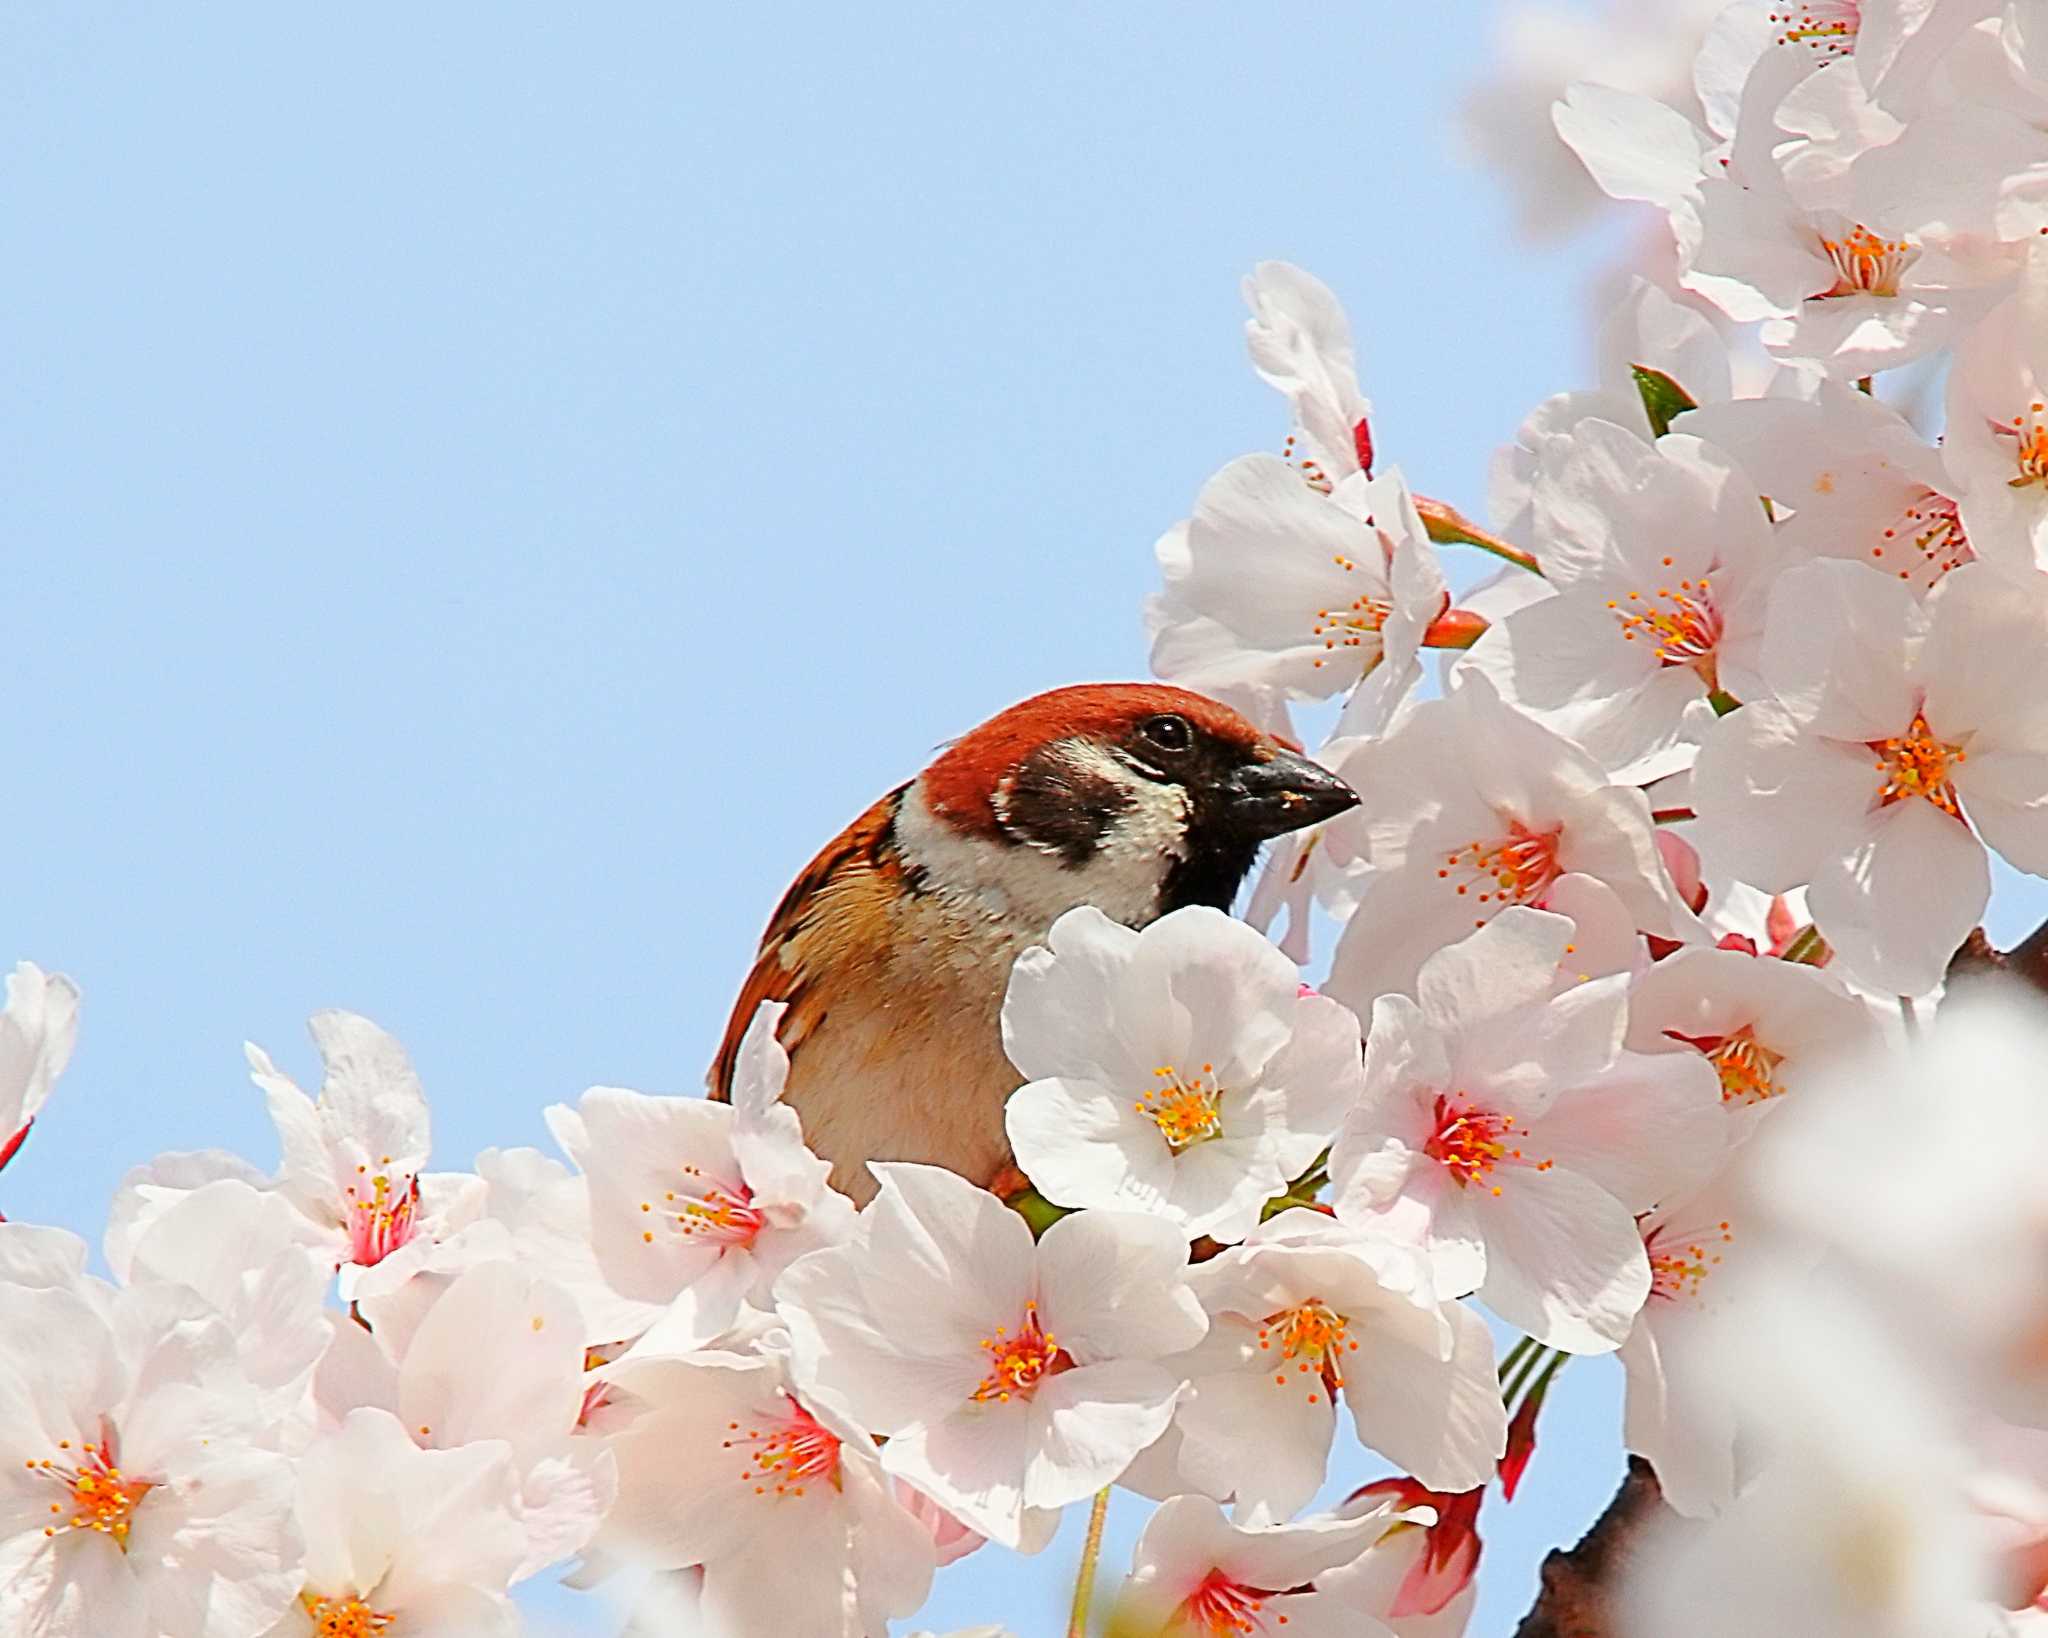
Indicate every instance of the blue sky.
{"type": "Point", "coordinates": [489, 491]}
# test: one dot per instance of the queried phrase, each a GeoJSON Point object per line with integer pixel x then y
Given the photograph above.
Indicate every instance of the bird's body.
{"type": "Point", "coordinates": [893, 948]}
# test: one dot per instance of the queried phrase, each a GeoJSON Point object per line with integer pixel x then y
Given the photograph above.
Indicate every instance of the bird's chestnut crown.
{"type": "Point", "coordinates": [1134, 767]}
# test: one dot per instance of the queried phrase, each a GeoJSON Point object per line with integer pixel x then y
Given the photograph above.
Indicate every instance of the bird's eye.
{"type": "Point", "coordinates": [1167, 733]}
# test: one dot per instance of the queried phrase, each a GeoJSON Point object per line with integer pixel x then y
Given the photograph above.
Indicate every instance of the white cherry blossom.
{"type": "Point", "coordinates": [139, 1493]}
{"type": "Point", "coordinates": [1996, 446]}
{"type": "Point", "coordinates": [1009, 1378]}
{"type": "Point", "coordinates": [1468, 807]}
{"type": "Point", "coordinates": [1178, 1070]}
{"type": "Point", "coordinates": [1648, 328]}
{"type": "Point", "coordinates": [1663, 560]}
{"type": "Point", "coordinates": [531, 1400]}
{"type": "Point", "coordinates": [695, 1206]}
{"type": "Point", "coordinates": [1195, 1574]}
{"type": "Point", "coordinates": [1677, 1415]}
{"type": "Point", "coordinates": [1280, 584]}
{"type": "Point", "coordinates": [1511, 1125]}
{"type": "Point", "coordinates": [1306, 1313]}
{"type": "Point", "coordinates": [1300, 343]}
{"type": "Point", "coordinates": [776, 1494]}
{"type": "Point", "coordinates": [1765, 1025]}
{"type": "Point", "coordinates": [37, 1031]}
{"type": "Point", "coordinates": [1848, 476]}
{"type": "Point", "coordinates": [403, 1542]}
{"type": "Point", "coordinates": [1896, 735]}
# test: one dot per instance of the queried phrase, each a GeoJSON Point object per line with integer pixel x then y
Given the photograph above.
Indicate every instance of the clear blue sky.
{"type": "Point", "coordinates": [489, 489]}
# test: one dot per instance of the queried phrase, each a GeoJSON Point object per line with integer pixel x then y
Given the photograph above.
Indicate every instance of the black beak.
{"type": "Point", "coordinates": [1285, 792]}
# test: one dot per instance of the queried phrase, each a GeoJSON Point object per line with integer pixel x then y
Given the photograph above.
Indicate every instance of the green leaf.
{"type": "Point", "coordinates": [1036, 1210]}
{"type": "Point", "coordinates": [1664, 400]}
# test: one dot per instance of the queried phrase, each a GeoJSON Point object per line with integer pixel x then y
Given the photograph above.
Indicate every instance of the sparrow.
{"type": "Point", "coordinates": [892, 949]}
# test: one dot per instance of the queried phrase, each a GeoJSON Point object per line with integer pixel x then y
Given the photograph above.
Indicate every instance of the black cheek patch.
{"type": "Point", "coordinates": [1052, 804]}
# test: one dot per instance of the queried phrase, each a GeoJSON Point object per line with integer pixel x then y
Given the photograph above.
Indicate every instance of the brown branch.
{"type": "Point", "coordinates": [1574, 1600]}
{"type": "Point", "coordinates": [1578, 1585]}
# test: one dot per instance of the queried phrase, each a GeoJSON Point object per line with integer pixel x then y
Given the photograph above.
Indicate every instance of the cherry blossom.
{"type": "Point", "coordinates": [401, 1540]}
{"type": "Point", "coordinates": [1178, 1070]}
{"type": "Point", "coordinates": [1514, 1129]}
{"type": "Point", "coordinates": [1663, 561]}
{"type": "Point", "coordinates": [1300, 343]}
{"type": "Point", "coordinates": [1194, 1573]}
{"type": "Point", "coordinates": [1468, 807]}
{"type": "Point", "coordinates": [1997, 441]}
{"type": "Point", "coordinates": [1009, 1378]}
{"type": "Point", "coordinates": [1896, 736]}
{"type": "Point", "coordinates": [1848, 477]}
{"type": "Point", "coordinates": [695, 1207]}
{"type": "Point", "coordinates": [532, 1400]}
{"type": "Point", "coordinates": [1859, 1460]}
{"type": "Point", "coordinates": [37, 1030]}
{"type": "Point", "coordinates": [779, 1496]}
{"type": "Point", "coordinates": [1647, 330]}
{"type": "Point", "coordinates": [1278, 583]}
{"type": "Point", "coordinates": [1677, 1415]}
{"type": "Point", "coordinates": [1304, 1314]}
{"type": "Point", "coordinates": [1764, 1025]}
{"type": "Point", "coordinates": [139, 1491]}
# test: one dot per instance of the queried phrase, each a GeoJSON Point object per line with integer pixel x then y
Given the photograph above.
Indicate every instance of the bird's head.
{"type": "Point", "coordinates": [1138, 798]}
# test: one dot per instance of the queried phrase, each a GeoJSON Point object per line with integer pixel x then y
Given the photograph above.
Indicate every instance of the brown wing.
{"type": "Point", "coordinates": [836, 900]}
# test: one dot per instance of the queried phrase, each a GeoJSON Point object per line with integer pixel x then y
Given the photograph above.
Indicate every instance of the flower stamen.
{"type": "Point", "coordinates": [1225, 1608]}
{"type": "Point", "coordinates": [387, 1218]}
{"type": "Point", "coordinates": [2029, 434]}
{"type": "Point", "coordinates": [1931, 525]}
{"type": "Point", "coordinates": [1679, 1268]}
{"type": "Point", "coordinates": [787, 1455]}
{"type": "Point", "coordinates": [1314, 1337]}
{"type": "Point", "coordinates": [1827, 27]}
{"type": "Point", "coordinates": [718, 1214]}
{"type": "Point", "coordinates": [343, 1617]}
{"type": "Point", "coordinates": [1470, 1143]}
{"type": "Point", "coordinates": [1018, 1363]}
{"type": "Point", "coordinates": [1517, 868]}
{"type": "Point", "coordinates": [101, 1497]}
{"type": "Point", "coordinates": [1187, 1110]}
{"type": "Point", "coordinates": [1917, 764]}
{"type": "Point", "coordinates": [1682, 626]}
{"type": "Point", "coordinates": [1866, 263]}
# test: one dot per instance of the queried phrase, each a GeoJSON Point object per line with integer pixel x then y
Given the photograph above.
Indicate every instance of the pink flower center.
{"type": "Point", "coordinates": [99, 1496]}
{"type": "Point", "coordinates": [1682, 626]}
{"type": "Point", "coordinates": [1828, 27]}
{"type": "Point", "coordinates": [707, 1212]}
{"type": "Point", "coordinates": [343, 1617]}
{"type": "Point", "coordinates": [1186, 1109]}
{"type": "Point", "coordinates": [1865, 263]}
{"type": "Point", "coordinates": [1917, 764]}
{"type": "Point", "coordinates": [383, 1214]}
{"type": "Point", "coordinates": [2029, 434]}
{"type": "Point", "coordinates": [1018, 1361]}
{"type": "Point", "coordinates": [1931, 525]}
{"type": "Point", "coordinates": [1517, 868]}
{"type": "Point", "coordinates": [1313, 1339]}
{"type": "Point", "coordinates": [787, 1454]}
{"type": "Point", "coordinates": [1220, 1606]}
{"type": "Point", "coordinates": [1680, 1261]}
{"type": "Point", "coordinates": [1746, 1066]}
{"type": "Point", "coordinates": [1470, 1143]}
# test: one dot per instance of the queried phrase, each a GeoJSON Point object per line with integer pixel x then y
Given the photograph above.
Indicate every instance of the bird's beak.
{"type": "Point", "coordinates": [1285, 792]}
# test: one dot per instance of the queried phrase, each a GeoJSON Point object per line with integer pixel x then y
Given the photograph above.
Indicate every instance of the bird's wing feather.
{"type": "Point", "coordinates": [838, 901]}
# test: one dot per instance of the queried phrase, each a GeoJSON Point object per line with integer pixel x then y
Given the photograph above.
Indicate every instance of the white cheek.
{"type": "Point", "coordinates": [1026, 888]}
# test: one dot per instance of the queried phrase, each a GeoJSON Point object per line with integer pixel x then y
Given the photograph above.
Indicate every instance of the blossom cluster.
{"type": "Point", "coordinates": [1633, 1035]}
